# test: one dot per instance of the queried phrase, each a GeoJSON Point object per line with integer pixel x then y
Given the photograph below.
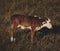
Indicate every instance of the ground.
{"type": "Point", "coordinates": [44, 40]}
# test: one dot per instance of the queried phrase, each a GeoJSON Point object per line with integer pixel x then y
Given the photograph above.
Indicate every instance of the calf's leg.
{"type": "Point", "coordinates": [12, 31]}
{"type": "Point", "coordinates": [32, 36]}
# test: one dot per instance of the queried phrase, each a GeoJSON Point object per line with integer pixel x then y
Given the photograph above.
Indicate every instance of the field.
{"type": "Point", "coordinates": [44, 40]}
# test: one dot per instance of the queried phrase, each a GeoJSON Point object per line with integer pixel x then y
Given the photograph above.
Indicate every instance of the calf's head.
{"type": "Point", "coordinates": [47, 24]}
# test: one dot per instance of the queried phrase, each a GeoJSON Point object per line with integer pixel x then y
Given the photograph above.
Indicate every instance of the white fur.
{"type": "Point", "coordinates": [22, 27]}
{"type": "Point", "coordinates": [49, 20]}
{"type": "Point", "coordinates": [18, 26]}
{"type": "Point", "coordinates": [12, 39]}
{"type": "Point", "coordinates": [48, 25]}
{"type": "Point", "coordinates": [43, 22]}
{"type": "Point", "coordinates": [29, 27]}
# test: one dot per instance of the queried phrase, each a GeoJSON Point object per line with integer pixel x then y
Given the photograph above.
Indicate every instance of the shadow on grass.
{"type": "Point", "coordinates": [22, 34]}
{"type": "Point", "coordinates": [55, 30]}
{"type": "Point", "coordinates": [45, 31]}
{"type": "Point", "coordinates": [22, 42]}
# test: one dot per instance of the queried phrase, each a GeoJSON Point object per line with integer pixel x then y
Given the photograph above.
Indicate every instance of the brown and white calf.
{"type": "Point", "coordinates": [33, 23]}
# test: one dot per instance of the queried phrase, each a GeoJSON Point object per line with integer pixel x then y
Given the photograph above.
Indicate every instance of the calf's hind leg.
{"type": "Point", "coordinates": [11, 32]}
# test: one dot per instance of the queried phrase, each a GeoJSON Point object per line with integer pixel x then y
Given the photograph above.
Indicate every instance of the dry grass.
{"type": "Point", "coordinates": [45, 40]}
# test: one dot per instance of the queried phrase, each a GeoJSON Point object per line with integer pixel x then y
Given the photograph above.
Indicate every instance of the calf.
{"type": "Point", "coordinates": [33, 23]}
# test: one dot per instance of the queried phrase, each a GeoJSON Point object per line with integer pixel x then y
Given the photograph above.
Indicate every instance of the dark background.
{"type": "Point", "coordinates": [44, 40]}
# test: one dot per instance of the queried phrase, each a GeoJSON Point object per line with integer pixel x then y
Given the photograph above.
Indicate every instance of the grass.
{"type": "Point", "coordinates": [44, 40]}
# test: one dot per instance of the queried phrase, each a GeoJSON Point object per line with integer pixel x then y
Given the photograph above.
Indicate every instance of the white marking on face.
{"type": "Point", "coordinates": [49, 20]}
{"type": "Point", "coordinates": [47, 24]}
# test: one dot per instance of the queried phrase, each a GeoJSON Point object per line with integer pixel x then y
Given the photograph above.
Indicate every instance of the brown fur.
{"type": "Point", "coordinates": [26, 21]}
